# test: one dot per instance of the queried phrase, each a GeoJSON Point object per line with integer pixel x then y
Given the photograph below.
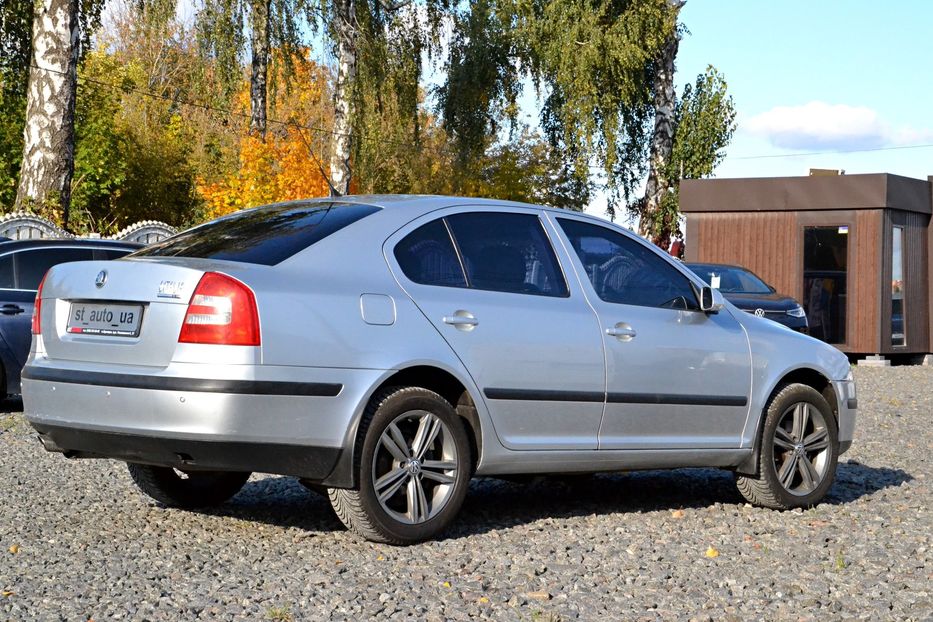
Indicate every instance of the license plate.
{"type": "Point", "coordinates": [116, 320]}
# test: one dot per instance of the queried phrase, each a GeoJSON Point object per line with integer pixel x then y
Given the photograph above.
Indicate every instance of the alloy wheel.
{"type": "Point", "coordinates": [801, 449]}
{"type": "Point", "coordinates": [415, 467]}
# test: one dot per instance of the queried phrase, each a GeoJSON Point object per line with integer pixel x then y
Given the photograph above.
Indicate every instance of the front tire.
{"type": "Point", "coordinates": [414, 466]}
{"type": "Point", "coordinates": [798, 454]}
{"type": "Point", "coordinates": [186, 489]}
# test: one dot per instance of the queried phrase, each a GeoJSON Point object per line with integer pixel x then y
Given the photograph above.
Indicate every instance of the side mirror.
{"type": "Point", "coordinates": [711, 300]}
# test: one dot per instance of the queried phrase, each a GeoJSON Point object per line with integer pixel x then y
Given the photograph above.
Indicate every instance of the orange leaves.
{"type": "Point", "coordinates": [279, 168]}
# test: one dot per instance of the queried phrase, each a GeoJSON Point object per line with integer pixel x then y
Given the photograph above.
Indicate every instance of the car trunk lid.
{"type": "Point", "coordinates": [121, 312]}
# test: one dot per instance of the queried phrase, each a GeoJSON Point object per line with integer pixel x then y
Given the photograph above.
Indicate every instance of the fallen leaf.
{"type": "Point", "coordinates": [380, 559]}
{"type": "Point", "coordinates": [7, 593]}
{"type": "Point", "coordinates": [747, 538]}
{"type": "Point", "coordinates": [14, 549]}
{"type": "Point", "coordinates": [678, 514]}
{"type": "Point", "coordinates": [538, 595]}
{"type": "Point", "coordinates": [712, 552]}
{"type": "Point", "coordinates": [483, 599]}
{"type": "Point", "coordinates": [446, 583]}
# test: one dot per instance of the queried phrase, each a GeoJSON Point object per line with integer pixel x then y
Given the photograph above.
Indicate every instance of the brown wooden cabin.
{"type": "Point", "coordinates": [853, 249]}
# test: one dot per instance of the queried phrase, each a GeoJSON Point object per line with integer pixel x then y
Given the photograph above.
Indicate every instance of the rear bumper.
{"type": "Point", "coordinates": [283, 420]}
{"type": "Point", "coordinates": [315, 463]}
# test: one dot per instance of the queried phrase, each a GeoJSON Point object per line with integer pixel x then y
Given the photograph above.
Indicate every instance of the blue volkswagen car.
{"type": "Point", "coordinates": [751, 294]}
{"type": "Point", "coordinates": [23, 263]}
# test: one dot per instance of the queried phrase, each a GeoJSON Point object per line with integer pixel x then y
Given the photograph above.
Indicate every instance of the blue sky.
{"type": "Point", "coordinates": [829, 77]}
{"type": "Point", "coordinates": [819, 76]}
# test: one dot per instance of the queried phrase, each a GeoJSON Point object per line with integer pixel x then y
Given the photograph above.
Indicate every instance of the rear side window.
{"type": "Point", "coordinates": [6, 272]}
{"type": "Point", "coordinates": [264, 235]}
{"type": "Point", "coordinates": [507, 252]}
{"type": "Point", "coordinates": [427, 256]}
{"type": "Point", "coordinates": [624, 271]}
{"type": "Point", "coordinates": [31, 265]}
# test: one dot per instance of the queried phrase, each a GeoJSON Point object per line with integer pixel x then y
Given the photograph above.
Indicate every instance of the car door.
{"type": "Point", "coordinates": [677, 378]}
{"type": "Point", "coordinates": [491, 284]}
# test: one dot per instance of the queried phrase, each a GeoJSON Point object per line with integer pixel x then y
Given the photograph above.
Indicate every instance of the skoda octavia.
{"type": "Point", "coordinates": [390, 348]}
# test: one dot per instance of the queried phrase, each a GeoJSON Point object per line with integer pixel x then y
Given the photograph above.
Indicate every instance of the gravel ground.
{"type": "Point", "coordinates": [78, 542]}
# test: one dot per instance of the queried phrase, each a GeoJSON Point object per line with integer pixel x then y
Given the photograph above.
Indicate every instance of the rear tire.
{"type": "Point", "coordinates": [414, 467]}
{"type": "Point", "coordinates": [798, 454]}
{"type": "Point", "coordinates": [187, 490]}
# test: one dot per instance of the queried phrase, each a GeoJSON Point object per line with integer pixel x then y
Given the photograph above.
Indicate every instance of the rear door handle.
{"type": "Point", "coordinates": [622, 332]}
{"type": "Point", "coordinates": [461, 320]}
{"type": "Point", "coordinates": [10, 309]}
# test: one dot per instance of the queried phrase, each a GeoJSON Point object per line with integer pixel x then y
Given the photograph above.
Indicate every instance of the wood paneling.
{"type": "Point", "coordinates": [759, 224]}
{"type": "Point", "coordinates": [764, 242]}
{"type": "Point", "coordinates": [771, 245]}
{"type": "Point", "coordinates": [865, 296]}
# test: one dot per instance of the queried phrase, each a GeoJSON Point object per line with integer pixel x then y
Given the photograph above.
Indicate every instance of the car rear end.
{"type": "Point", "coordinates": [159, 360]}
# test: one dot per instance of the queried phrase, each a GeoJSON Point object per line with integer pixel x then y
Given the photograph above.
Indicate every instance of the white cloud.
{"type": "Point", "coordinates": [836, 127]}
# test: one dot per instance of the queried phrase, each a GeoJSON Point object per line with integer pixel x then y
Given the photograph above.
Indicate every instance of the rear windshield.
{"type": "Point", "coordinates": [263, 235]}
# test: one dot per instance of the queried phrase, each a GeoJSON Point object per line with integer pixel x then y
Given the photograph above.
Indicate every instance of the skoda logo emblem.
{"type": "Point", "coordinates": [101, 279]}
{"type": "Point", "coordinates": [758, 312]}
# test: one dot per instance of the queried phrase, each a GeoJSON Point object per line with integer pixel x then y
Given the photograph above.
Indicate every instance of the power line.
{"type": "Point", "coordinates": [184, 102]}
{"type": "Point", "coordinates": [839, 151]}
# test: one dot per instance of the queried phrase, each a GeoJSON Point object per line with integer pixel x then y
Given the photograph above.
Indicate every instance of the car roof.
{"type": "Point", "coordinates": [427, 202]}
{"type": "Point", "coordinates": [15, 245]}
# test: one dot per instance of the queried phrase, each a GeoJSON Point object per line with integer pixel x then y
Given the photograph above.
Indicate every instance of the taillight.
{"type": "Point", "coordinates": [222, 311]}
{"type": "Point", "coordinates": [37, 310]}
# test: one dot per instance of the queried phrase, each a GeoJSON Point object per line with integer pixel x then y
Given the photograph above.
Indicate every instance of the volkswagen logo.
{"type": "Point", "coordinates": [759, 312]}
{"type": "Point", "coordinates": [101, 279]}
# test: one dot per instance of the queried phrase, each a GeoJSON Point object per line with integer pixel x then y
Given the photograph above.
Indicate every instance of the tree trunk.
{"type": "Point", "coordinates": [258, 90]}
{"type": "Point", "coordinates": [654, 223]}
{"type": "Point", "coordinates": [48, 153]}
{"type": "Point", "coordinates": [347, 32]}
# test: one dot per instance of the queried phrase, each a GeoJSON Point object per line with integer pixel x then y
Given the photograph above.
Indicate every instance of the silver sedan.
{"type": "Point", "coordinates": [388, 349]}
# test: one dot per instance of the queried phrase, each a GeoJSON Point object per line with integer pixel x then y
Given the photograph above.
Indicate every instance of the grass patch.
{"type": "Point", "coordinates": [279, 614]}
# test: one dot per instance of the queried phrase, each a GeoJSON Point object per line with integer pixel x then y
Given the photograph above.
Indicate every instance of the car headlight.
{"type": "Point", "coordinates": [797, 312]}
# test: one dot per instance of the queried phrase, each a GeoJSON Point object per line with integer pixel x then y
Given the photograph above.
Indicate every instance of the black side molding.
{"type": "Point", "coordinates": [197, 385]}
{"type": "Point", "coordinates": [544, 395]}
{"type": "Point", "coordinates": [614, 398]}
{"type": "Point", "coordinates": [674, 398]}
{"type": "Point", "coordinates": [852, 403]}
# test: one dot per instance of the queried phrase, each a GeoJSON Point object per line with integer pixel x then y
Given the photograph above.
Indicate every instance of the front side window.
{"type": "Point", "coordinates": [507, 252]}
{"type": "Point", "coordinates": [31, 265]}
{"type": "Point", "coordinates": [730, 280]}
{"type": "Point", "coordinates": [623, 271]}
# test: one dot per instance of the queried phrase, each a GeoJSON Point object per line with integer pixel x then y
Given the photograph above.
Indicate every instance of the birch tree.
{"type": "Point", "coordinates": [346, 33]}
{"type": "Point", "coordinates": [48, 150]}
{"type": "Point", "coordinates": [653, 222]}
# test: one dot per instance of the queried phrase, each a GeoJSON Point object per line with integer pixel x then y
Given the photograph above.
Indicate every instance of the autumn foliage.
{"type": "Point", "coordinates": [283, 165]}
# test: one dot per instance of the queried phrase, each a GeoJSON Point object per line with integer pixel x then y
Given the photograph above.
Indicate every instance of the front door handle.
{"type": "Point", "coordinates": [10, 309]}
{"type": "Point", "coordinates": [622, 332]}
{"type": "Point", "coordinates": [461, 320]}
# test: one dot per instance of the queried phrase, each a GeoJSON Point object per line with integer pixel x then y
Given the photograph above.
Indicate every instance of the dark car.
{"type": "Point", "coordinates": [23, 263]}
{"type": "Point", "coordinates": [748, 292]}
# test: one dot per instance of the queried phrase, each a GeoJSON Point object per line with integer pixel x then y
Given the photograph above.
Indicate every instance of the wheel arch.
{"type": "Point", "coordinates": [427, 375]}
{"type": "Point", "coordinates": [808, 376]}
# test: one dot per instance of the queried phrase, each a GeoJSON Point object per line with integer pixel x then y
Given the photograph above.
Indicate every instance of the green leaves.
{"type": "Point", "coordinates": [705, 123]}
